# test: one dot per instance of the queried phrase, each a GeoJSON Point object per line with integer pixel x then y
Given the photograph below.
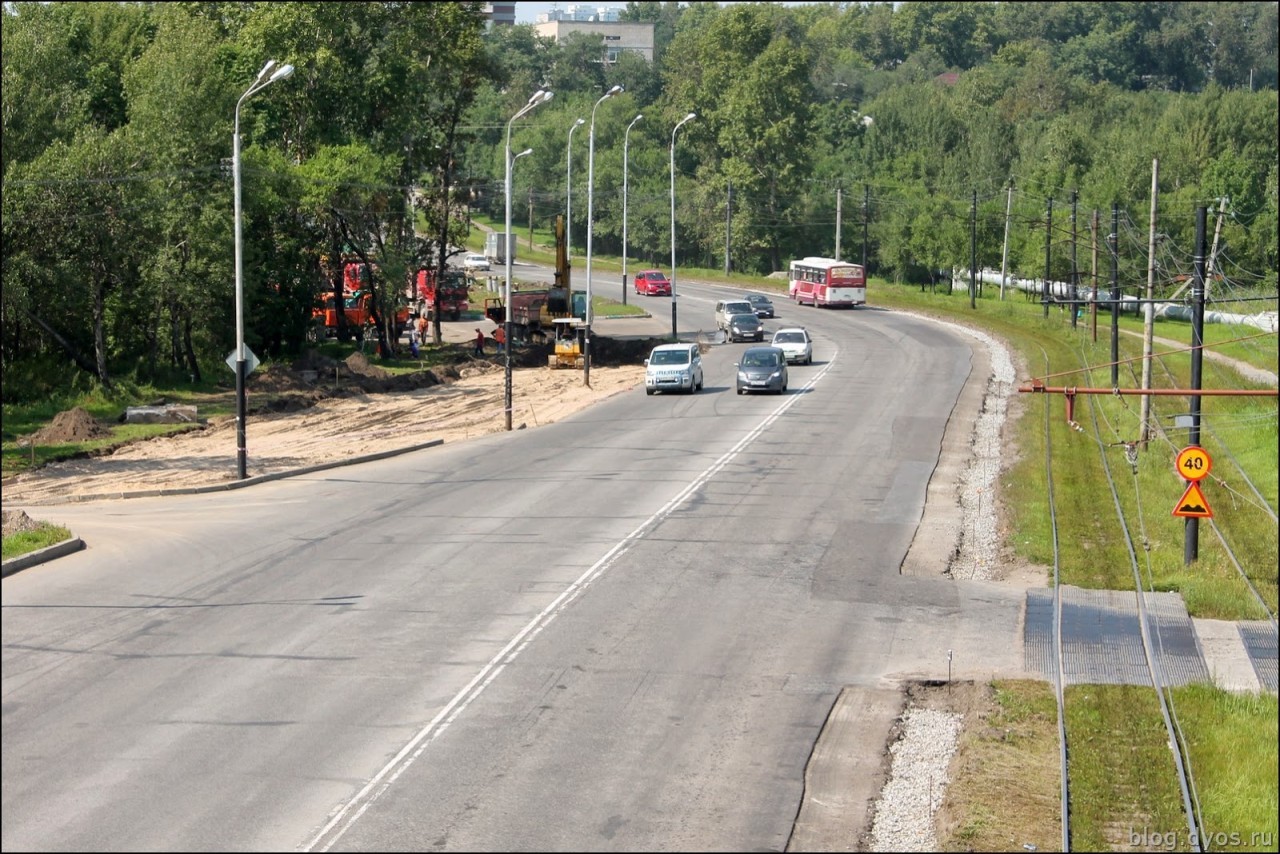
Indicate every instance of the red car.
{"type": "Point", "coordinates": [653, 283]}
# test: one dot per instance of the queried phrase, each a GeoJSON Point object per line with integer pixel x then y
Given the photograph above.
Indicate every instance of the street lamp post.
{"type": "Point", "coordinates": [591, 187]}
{"type": "Point", "coordinates": [568, 199]}
{"type": "Point", "coordinates": [539, 97]}
{"type": "Point", "coordinates": [675, 335]}
{"type": "Point", "coordinates": [626, 138]}
{"type": "Point", "coordinates": [261, 82]}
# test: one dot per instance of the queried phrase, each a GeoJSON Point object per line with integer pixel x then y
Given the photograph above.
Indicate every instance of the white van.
{"type": "Point", "coordinates": [727, 308]}
{"type": "Point", "coordinates": [673, 367]}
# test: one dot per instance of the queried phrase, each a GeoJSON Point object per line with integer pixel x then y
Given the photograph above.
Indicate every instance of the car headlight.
{"type": "Point", "coordinates": [775, 374]}
{"type": "Point", "coordinates": [742, 375]}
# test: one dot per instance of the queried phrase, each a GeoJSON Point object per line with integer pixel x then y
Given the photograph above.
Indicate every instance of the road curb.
{"type": "Point", "coordinates": [75, 544]}
{"type": "Point", "coordinates": [40, 556]}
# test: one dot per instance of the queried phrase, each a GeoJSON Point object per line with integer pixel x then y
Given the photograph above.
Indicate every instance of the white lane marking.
{"type": "Point", "coordinates": [349, 813]}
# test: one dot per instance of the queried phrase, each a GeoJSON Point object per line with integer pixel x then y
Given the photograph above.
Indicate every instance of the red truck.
{"type": "Point", "coordinates": [449, 298]}
{"type": "Point", "coordinates": [532, 311]}
{"type": "Point", "coordinates": [358, 307]}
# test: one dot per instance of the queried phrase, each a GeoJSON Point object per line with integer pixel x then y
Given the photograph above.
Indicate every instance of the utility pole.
{"type": "Point", "coordinates": [1093, 276]}
{"type": "Point", "coordinates": [530, 219]}
{"type": "Point", "coordinates": [973, 249]}
{"type": "Point", "coordinates": [1213, 253]}
{"type": "Point", "coordinates": [1191, 542]}
{"type": "Point", "coordinates": [1048, 233]}
{"type": "Point", "coordinates": [1113, 240]}
{"type": "Point", "coordinates": [1004, 253]}
{"type": "Point", "coordinates": [839, 196]}
{"type": "Point", "coordinates": [728, 222]}
{"type": "Point", "coordinates": [1149, 310]}
{"type": "Point", "coordinates": [1075, 271]}
{"type": "Point", "coordinates": [866, 197]}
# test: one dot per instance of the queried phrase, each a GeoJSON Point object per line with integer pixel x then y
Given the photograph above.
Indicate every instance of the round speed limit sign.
{"type": "Point", "coordinates": [1194, 463]}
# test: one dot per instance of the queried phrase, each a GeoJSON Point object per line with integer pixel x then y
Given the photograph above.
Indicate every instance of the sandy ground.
{"type": "Point", "coordinates": [330, 431]}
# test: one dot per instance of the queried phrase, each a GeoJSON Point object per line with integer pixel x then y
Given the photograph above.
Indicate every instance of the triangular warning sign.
{"type": "Point", "coordinates": [1192, 504]}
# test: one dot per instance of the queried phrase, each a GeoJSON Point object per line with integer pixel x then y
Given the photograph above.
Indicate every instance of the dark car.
{"type": "Point", "coordinates": [762, 304]}
{"type": "Point", "coordinates": [744, 327]}
{"type": "Point", "coordinates": [762, 369]}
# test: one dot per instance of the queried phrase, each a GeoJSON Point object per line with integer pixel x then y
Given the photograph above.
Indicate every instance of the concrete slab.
{"type": "Point", "coordinates": [846, 771]}
{"type": "Point", "coordinates": [1225, 655]}
{"type": "Point", "coordinates": [1102, 638]}
{"type": "Point", "coordinates": [1259, 637]}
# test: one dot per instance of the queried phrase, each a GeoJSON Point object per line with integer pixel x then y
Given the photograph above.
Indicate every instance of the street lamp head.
{"type": "Point", "coordinates": [579, 122]}
{"type": "Point", "coordinates": [271, 63]}
{"type": "Point", "coordinates": [616, 90]}
{"type": "Point", "coordinates": [688, 117]}
{"type": "Point", "coordinates": [281, 73]}
{"type": "Point", "coordinates": [523, 153]}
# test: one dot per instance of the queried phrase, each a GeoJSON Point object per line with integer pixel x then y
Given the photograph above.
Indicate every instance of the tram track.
{"type": "Point", "coordinates": [1152, 644]}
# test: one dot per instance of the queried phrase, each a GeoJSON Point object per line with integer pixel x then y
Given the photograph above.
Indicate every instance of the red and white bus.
{"type": "Point", "coordinates": [827, 282]}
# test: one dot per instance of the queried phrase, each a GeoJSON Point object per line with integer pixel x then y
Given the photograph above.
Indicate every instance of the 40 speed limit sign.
{"type": "Point", "coordinates": [1193, 463]}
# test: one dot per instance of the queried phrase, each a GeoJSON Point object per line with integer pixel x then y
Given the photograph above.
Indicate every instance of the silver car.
{"type": "Point", "coordinates": [762, 369]}
{"type": "Point", "coordinates": [796, 343]}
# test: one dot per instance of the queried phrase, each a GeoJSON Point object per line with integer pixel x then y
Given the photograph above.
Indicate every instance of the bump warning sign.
{"type": "Point", "coordinates": [1192, 504]}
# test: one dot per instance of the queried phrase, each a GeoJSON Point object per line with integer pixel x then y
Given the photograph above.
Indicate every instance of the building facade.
{"type": "Point", "coordinates": [616, 37]}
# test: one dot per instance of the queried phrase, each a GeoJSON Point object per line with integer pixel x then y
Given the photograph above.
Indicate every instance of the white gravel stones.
{"type": "Point", "coordinates": [917, 781]}
{"type": "Point", "coordinates": [979, 548]}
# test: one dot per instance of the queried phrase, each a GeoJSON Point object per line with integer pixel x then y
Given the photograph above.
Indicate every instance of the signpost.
{"type": "Point", "coordinates": [1194, 465]}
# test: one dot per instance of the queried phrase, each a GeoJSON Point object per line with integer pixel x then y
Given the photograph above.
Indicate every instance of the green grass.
{"type": "Point", "coordinates": [43, 536]}
{"type": "Point", "coordinates": [1016, 740]}
{"type": "Point", "coordinates": [1231, 742]}
{"type": "Point", "coordinates": [1121, 775]}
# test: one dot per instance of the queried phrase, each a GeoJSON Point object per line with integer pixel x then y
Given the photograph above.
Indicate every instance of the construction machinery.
{"type": "Point", "coordinates": [567, 350]}
{"type": "Point", "coordinates": [535, 310]}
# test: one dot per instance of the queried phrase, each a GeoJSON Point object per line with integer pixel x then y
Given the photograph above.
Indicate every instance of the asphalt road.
{"type": "Point", "coordinates": [621, 631]}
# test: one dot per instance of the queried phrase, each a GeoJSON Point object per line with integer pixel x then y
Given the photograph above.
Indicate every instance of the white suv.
{"type": "Point", "coordinates": [796, 343]}
{"type": "Point", "coordinates": [727, 308]}
{"type": "Point", "coordinates": [673, 367]}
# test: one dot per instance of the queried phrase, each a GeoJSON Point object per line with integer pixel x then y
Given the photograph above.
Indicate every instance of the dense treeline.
{"type": "Point", "coordinates": [904, 133]}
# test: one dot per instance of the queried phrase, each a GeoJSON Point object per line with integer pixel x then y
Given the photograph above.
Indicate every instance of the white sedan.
{"type": "Point", "coordinates": [795, 342]}
{"type": "Point", "coordinates": [475, 261]}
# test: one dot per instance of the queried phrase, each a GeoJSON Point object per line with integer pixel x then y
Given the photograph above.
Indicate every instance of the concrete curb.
{"type": "Point", "coordinates": [39, 556]}
{"type": "Point", "coordinates": [74, 544]}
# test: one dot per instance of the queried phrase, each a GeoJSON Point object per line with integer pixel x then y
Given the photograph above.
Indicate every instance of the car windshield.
{"type": "Point", "coordinates": [789, 338]}
{"type": "Point", "coordinates": [760, 360]}
{"type": "Point", "coordinates": [744, 318]}
{"type": "Point", "coordinates": [756, 299]}
{"type": "Point", "coordinates": [654, 277]}
{"type": "Point", "coordinates": [669, 357]}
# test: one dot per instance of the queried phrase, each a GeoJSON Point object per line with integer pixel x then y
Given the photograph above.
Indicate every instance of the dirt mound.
{"type": "Point", "coordinates": [16, 521]}
{"type": "Point", "coordinates": [277, 379]}
{"type": "Point", "coordinates": [358, 363]}
{"type": "Point", "coordinates": [615, 352]}
{"type": "Point", "coordinates": [73, 425]}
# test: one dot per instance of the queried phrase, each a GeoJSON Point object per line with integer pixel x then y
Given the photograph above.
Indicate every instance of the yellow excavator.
{"type": "Point", "coordinates": [567, 349]}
